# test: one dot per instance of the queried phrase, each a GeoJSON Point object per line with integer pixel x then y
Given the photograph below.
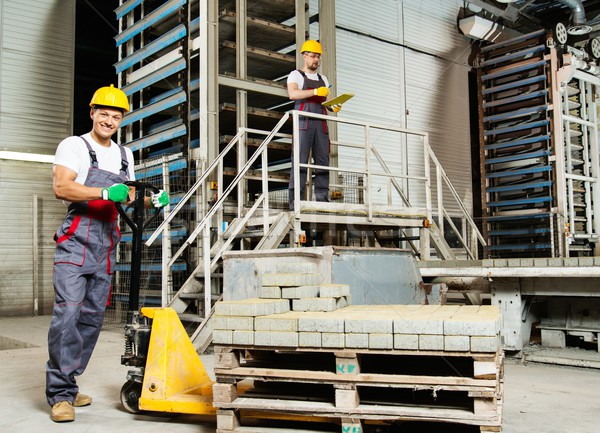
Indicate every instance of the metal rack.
{"type": "Point", "coordinates": [537, 145]}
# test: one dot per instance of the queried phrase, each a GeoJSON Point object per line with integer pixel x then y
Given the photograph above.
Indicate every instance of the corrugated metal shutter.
{"type": "Point", "coordinates": [406, 63]}
{"type": "Point", "coordinates": [36, 74]}
{"type": "Point", "coordinates": [36, 98]}
{"type": "Point", "coordinates": [19, 181]}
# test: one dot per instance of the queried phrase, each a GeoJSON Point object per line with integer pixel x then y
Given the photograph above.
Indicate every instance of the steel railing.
{"type": "Point", "coordinates": [374, 167]}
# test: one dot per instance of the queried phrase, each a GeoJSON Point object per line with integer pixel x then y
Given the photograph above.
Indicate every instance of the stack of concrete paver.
{"type": "Point", "coordinates": [294, 310]}
{"type": "Point", "coordinates": [296, 320]}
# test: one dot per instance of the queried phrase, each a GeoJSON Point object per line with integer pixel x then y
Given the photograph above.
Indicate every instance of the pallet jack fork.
{"type": "Point", "coordinates": [167, 373]}
{"type": "Point", "coordinates": [174, 378]}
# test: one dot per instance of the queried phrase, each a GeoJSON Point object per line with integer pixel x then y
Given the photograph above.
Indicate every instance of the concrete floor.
{"type": "Point", "coordinates": [538, 398]}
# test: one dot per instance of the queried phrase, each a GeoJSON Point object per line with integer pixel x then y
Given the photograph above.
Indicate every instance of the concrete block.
{"type": "Point", "coordinates": [334, 290]}
{"type": "Point", "coordinates": [352, 425]}
{"type": "Point", "coordinates": [269, 292]}
{"type": "Point", "coordinates": [321, 324]}
{"type": "Point", "coordinates": [346, 398]}
{"type": "Point", "coordinates": [381, 341]}
{"type": "Point", "coordinates": [257, 307]}
{"type": "Point", "coordinates": [347, 365]}
{"type": "Point", "coordinates": [334, 340]}
{"type": "Point", "coordinates": [224, 392]}
{"type": "Point", "coordinates": [275, 323]}
{"type": "Point", "coordinates": [272, 338]}
{"type": "Point", "coordinates": [485, 344]}
{"type": "Point", "coordinates": [227, 420]}
{"type": "Point", "coordinates": [475, 325]}
{"type": "Point", "coordinates": [357, 341]}
{"type": "Point", "coordinates": [296, 267]}
{"type": "Point", "coordinates": [457, 343]}
{"type": "Point", "coordinates": [313, 304]}
{"type": "Point", "coordinates": [369, 326]}
{"type": "Point", "coordinates": [290, 280]}
{"type": "Point", "coordinates": [309, 339]}
{"type": "Point", "coordinates": [513, 263]}
{"type": "Point", "coordinates": [555, 262]}
{"type": "Point", "coordinates": [406, 341]}
{"type": "Point", "coordinates": [341, 302]}
{"type": "Point", "coordinates": [221, 336]}
{"type": "Point", "coordinates": [431, 342]}
{"type": "Point", "coordinates": [500, 263]}
{"type": "Point", "coordinates": [585, 261]}
{"type": "Point", "coordinates": [300, 292]}
{"type": "Point", "coordinates": [553, 338]}
{"type": "Point", "coordinates": [527, 263]}
{"type": "Point", "coordinates": [419, 325]}
{"type": "Point", "coordinates": [222, 308]}
{"type": "Point", "coordinates": [245, 338]}
{"type": "Point", "coordinates": [233, 323]}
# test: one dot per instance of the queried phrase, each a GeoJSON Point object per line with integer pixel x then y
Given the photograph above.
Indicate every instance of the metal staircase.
{"type": "Point", "coordinates": [538, 144]}
{"type": "Point", "coordinates": [258, 225]}
{"type": "Point", "coordinates": [208, 123]}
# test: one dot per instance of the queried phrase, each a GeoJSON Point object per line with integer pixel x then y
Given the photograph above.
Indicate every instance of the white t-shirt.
{"type": "Point", "coordinates": [73, 154]}
{"type": "Point", "coordinates": [296, 77]}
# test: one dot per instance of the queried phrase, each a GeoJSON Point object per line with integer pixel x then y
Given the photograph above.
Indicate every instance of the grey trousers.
{"type": "Point", "coordinates": [316, 139]}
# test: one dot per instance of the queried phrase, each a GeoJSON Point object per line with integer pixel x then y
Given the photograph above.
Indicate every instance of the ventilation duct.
{"type": "Point", "coordinates": [578, 24]}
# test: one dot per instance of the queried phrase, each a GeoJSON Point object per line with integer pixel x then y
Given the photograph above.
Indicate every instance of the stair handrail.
{"type": "Point", "coordinates": [209, 170]}
{"type": "Point", "coordinates": [442, 214]}
{"type": "Point", "coordinates": [241, 173]}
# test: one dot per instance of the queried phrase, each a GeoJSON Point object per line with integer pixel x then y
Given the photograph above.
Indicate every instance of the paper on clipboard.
{"type": "Point", "coordinates": [338, 100]}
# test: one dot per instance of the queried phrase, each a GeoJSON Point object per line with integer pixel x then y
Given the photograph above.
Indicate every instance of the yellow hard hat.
{"type": "Point", "coordinates": [312, 46]}
{"type": "Point", "coordinates": [110, 97]}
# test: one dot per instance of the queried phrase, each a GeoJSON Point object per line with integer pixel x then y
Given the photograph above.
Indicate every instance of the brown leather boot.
{"type": "Point", "coordinates": [82, 400]}
{"type": "Point", "coordinates": [63, 412]}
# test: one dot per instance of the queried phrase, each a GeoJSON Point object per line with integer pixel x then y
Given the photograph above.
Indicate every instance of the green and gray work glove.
{"type": "Point", "coordinates": [160, 199]}
{"type": "Point", "coordinates": [118, 193]}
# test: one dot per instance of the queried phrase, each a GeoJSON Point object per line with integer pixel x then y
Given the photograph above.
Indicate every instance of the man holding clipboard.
{"type": "Point", "coordinates": [309, 91]}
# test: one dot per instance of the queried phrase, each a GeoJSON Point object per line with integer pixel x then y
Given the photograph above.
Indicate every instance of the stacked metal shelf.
{"type": "Point", "coordinates": [191, 86]}
{"type": "Point", "coordinates": [539, 148]}
{"type": "Point", "coordinates": [516, 147]}
{"type": "Point", "coordinates": [154, 71]}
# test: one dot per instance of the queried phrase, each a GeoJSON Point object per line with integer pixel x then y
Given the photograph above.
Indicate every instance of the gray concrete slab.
{"type": "Point", "coordinates": [537, 398]}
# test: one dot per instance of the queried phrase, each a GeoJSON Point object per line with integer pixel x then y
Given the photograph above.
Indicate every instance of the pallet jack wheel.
{"type": "Point", "coordinates": [130, 396]}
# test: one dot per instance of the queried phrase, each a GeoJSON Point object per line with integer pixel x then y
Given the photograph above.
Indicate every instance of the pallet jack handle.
{"type": "Point", "coordinates": [137, 225]}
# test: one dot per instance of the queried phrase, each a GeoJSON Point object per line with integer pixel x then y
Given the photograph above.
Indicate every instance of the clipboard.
{"type": "Point", "coordinates": [338, 100]}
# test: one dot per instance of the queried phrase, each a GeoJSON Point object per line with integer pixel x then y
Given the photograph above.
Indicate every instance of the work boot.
{"type": "Point", "coordinates": [82, 400]}
{"type": "Point", "coordinates": [63, 412]}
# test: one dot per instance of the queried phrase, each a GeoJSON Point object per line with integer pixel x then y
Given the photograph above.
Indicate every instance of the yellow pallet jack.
{"type": "Point", "coordinates": [167, 374]}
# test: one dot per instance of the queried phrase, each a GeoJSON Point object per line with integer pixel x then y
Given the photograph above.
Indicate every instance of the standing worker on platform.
{"type": "Point", "coordinates": [89, 172]}
{"type": "Point", "coordinates": [309, 90]}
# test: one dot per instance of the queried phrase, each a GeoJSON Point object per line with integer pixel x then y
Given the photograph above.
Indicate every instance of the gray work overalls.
{"type": "Point", "coordinates": [83, 259]}
{"type": "Point", "coordinates": [313, 136]}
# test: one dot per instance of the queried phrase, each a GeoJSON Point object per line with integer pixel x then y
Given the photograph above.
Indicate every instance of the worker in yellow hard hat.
{"type": "Point", "coordinates": [89, 173]}
{"type": "Point", "coordinates": [309, 89]}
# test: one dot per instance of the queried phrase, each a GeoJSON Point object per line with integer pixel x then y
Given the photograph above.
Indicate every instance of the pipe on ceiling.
{"type": "Point", "coordinates": [578, 24]}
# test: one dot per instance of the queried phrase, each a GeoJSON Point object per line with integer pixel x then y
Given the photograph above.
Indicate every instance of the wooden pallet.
{"type": "Point", "coordinates": [364, 386]}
